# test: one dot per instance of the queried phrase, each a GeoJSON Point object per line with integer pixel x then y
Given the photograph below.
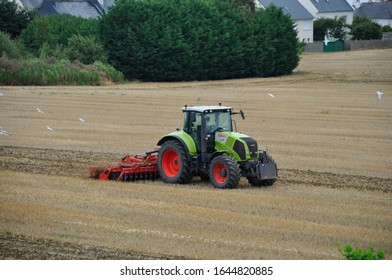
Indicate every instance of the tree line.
{"type": "Point", "coordinates": [197, 40]}
{"type": "Point", "coordinates": [362, 28]}
{"type": "Point", "coordinates": [155, 40]}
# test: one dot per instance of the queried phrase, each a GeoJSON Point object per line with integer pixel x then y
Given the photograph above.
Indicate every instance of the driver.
{"type": "Point", "coordinates": [209, 126]}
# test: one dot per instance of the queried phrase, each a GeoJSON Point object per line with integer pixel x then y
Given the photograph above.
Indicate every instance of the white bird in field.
{"type": "Point", "coordinates": [49, 128]}
{"type": "Point", "coordinates": [326, 41]}
{"type": "Point", "coordinates": [270, 94]}
{"type": "Point", "coordinates": [379, 93]}
{"type": "Point", "coordinates": [82, 120]}
{"type": "Point", "coordinates": [40, 111]}
{"type": "Point", "coordinates": [1, 94]}
{"type": "Point", "coordinates": [3, 132]}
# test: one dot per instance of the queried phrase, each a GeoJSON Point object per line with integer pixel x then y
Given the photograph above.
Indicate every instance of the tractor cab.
{"type": "Point", "coordinates": [202, 122]}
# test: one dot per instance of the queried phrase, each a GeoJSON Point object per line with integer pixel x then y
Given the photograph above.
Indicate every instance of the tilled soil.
{"type": "Point", "coordinates": [22, 247]}
{"type": "Point", "coordinates": [326, 128]}
{"type": "Point", "coordinates": [75, 163]}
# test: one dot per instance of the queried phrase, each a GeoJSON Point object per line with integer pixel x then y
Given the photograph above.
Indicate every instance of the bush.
{"type": "Point", "coordinates": [282, 45]}
{"type": "Point", "coordinates": [357, 254]}
{"type": "Point", "coordinates": [46, 51]}
{"type": "Point", "coordinates": [110, 72]}
{"type": "Point", "coordinates": [56, 30]}
{"type": "Point", "coordinates": [86, 49]}
{"type": "Point", "coordinates": [8, 47]}
{"type": "Point", "coordinates": [53, 72]}
{"type": "Point", "coordinates": [327, 26]}
{"type": "Point", "coordinates": [364, 28]}
{"type": "Point", "coordinates": [197, 40]}
{"type": "Point", "coordinates": [13, 18]}
{"type": "Point", "coordinates": [386, 28]}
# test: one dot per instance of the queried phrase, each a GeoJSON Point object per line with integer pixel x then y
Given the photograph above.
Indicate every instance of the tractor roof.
{"type": "Point", "coordinates": [202, 109]}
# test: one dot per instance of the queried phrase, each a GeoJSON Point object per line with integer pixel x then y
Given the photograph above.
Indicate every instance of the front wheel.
{"type": "Point", "coordinates": [224, 172]}
{"type": "Point", "coordinates": [173, 163]}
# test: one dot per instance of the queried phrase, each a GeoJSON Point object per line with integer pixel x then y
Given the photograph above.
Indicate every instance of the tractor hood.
{"type": "Point", "coordinates": [242, 147]}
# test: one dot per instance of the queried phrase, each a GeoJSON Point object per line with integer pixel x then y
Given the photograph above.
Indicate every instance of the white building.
{"type": "Point", "coordinates": [333, 9]}
{"type": "Point", "coordinates": [357, 3]}
{"type": "Point", "coordinates": [302, 17]}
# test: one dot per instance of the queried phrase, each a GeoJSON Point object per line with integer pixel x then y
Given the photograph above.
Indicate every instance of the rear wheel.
{"type": "Point", "coordinates": [173, 163]}
{"type": "Point", "coordinates": [224, 172]}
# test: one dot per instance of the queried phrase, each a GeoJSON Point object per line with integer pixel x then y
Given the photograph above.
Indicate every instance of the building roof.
{"type": "Point", "coordinates": [81, 8]}
{"type": "Point", "coordinates": [331, 6]}
{"type": "Point", "coordinates": [292, 7]}
{"type": "Point", "coordinates": [31, 4]}
{"type": "Point", "coordinates": [381, 10]}
{"type": "Point", "coordinates": [107, 4]}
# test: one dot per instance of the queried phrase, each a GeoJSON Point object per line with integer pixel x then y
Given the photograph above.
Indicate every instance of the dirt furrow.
{"type": "Point", "coordinates": [21, 247]}
{"type": "Point", "coordinates": [76, 163]}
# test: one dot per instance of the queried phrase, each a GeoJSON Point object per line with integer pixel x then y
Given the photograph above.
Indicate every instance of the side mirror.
{"type": "Point", "coordinates": [242, 114]}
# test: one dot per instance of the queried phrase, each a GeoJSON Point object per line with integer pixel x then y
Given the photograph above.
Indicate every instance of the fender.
{"type": "Point", "coordinates": [217, 153]}
{"type": "Point", "coordinates": [184, 138]}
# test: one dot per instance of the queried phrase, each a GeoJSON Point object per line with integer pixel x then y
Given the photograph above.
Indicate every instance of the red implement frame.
{"type": "Point", "coordinates": [138, 167]}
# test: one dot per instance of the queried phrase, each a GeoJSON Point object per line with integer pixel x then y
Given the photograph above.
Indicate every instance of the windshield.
{"type": "Point", "coordinates": [218, 119]}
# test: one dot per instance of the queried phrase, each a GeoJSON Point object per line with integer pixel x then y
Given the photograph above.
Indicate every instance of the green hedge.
{"type": "Point", "coordinates": [51, 72]}
{"type": "Point", "coordinates": [56, 30]}
{"type": "Point", "coordinates": [170, 40]}
{"type": "Point", "coordinates": [351, 253]}
{"type": "Point", "coordinates": [8, 47]}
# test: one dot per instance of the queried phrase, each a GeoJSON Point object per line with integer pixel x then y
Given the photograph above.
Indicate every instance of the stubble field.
{"type": "Point", "coordinates": [328, 131]}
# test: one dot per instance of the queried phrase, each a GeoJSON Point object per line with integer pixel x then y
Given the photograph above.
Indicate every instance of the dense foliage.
{"type": "Point", "coordinates": [8, 47]}
{"type": "Point", "coordinates": [53, 72]}
{"type": "Point", "coordinates": [56, 30]}
{"type": "Point", "coordinates": [351, 253]}
{"type": "Point", "coordinates": [172, 40]}
{"type": "Point", "coordinates": [13, 18]}
{"type": "Point", "coordinates": [364, 28]}
{"type": "Point", "coordinates": [335, 28]}
{"type": "Point", "coordinates": [86, 49]}
{"type": "Point", "coordinates": [152, 40]}
{"type": "Point", "coordinates": [63, 49]}
{"type": "Point", "coordinates": [386, 28]}
{"type": "Point", "coordinates": [242, 5]}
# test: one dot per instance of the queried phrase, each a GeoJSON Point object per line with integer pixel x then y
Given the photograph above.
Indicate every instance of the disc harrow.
{"type": "Point", "coordinates": [138, 167]}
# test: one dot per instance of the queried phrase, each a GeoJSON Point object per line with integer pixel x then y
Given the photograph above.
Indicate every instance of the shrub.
{"type": "Point", "coordinates": [13, 18]}
{"type": "Point", "coordinates": [56, 30]}
{"type": "Point", "coordinates": [86, 49]}
{"type": "Point", "coordinates": [386, 28]}
{"type": "Point", "coordinates": [9, 47]}
{"type": "Point", "coordinates": [364, 28]}
{"type": "Point", "coordinates": [110, 72]}
{"type": "Point", "coordinates": [197, 40]}
{"type": "Point", "coordinates": [56, 51]}
{"type": "Point", "coordinates": [326, 26]}
{"type": "Point", "coordinates": [351, 253]}
{"type": "Point", "coordinates": [53, 72]}
{"type": "Point", "coordinates": [282, 45]}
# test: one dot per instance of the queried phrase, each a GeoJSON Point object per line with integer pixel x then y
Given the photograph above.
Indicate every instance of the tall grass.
{"type": "Point", "coordinates": [52, 72]}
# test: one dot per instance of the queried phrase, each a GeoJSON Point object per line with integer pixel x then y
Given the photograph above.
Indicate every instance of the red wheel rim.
{"type": "Point", "coordinates": [171, 163]}
{"type": "Point", "coordinates": [220, 173]}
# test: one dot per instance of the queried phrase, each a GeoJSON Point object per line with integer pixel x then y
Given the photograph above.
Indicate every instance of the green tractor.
{"type": "Point", "coordinates": [208, 147]}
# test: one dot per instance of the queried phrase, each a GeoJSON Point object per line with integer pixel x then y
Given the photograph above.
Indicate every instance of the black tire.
{"type": "Point", "coordinates": [173, 163]}
{"type": "Point", "coordinates": [254, 181]}
{"type": "Point", "coordinates": [224, 172]}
